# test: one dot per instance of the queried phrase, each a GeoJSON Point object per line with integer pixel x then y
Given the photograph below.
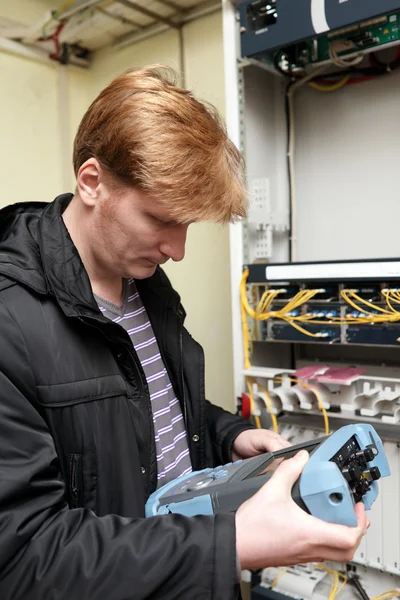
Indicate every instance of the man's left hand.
{"type": "Point", "coordinates": [256, 441]}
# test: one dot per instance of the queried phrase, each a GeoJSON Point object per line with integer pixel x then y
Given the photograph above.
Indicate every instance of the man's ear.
{"type": "Point", "coordinates": [89, 178]}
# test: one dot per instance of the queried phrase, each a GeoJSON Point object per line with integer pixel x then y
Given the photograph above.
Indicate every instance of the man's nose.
{"type": "Point", "coordinates": [174, 244]}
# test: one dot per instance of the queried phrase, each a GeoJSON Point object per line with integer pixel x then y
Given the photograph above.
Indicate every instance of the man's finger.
{"type": "Point", "coordinates": [287, 474]}
{"type": "Point", "coordinates": [274, 442]}
{"type": "Point", "coordinates": [361, 516]}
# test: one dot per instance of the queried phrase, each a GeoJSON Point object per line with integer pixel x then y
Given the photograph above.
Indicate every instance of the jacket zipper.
{"type": "Point", "coordinates": [182, 377]}
{"type": "Point", "coordinates": [75, 473]}
{"type": "Point", "coordinates": [142, 383]}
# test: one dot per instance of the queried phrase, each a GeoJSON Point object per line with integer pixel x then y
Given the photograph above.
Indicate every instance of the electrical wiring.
{"type": "Point", "coordinates": [357, 73]}
{"type": "Point", "coordinates": [387, 595]}
{"type": "Point", "coordinates": [55, 16]}
{"type": "Point", "coordinates": [269, 407]}
{"type": "Point", "coordinates": [281, 571]}
{"type": "Point", "coordinates": [346, 293]}
{"type": "Point", "coordinates": [317, 395]}
{"type": "Point", "coordinates": [338, 580]}
{"type": "Point", "coordinates": [342, 46]}
{"type": "Point", "coordinates": [312, 79]}
{"type": "Point", "coordinates": [300, 298]}
{"type": "Point", "coordinates": [252, 404]}
{"type": "Point", "coordinates": [293, 323]}
{"type": "Point", "coordinates": [335, 578]}
{"type": "Point", "coordinates": [245, 336]}
{"type": "Point", "coordinates": [263, 310]}
{"type": "Point", "coordinates": [333, 87]}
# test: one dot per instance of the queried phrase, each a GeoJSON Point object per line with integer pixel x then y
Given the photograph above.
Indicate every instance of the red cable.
{"type": "Point", "coordinates": [55, 39]}
{"type": "Point", "coordinates": [361, 79]}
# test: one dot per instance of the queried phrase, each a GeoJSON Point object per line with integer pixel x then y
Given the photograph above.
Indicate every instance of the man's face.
{"type": "Point", "coordinates": [132, 234]}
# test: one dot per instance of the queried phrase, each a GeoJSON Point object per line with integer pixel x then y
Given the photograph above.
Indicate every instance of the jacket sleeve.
{"type": "Point", "coordinates": [224, 428]}
{"type": "Point", "coordinates": [48, 551]}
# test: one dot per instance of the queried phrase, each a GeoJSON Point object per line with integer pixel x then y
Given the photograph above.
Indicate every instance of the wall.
{"type": "Point", "coordinates": [30, 166]}
{"type": "Point", "coordinates": [36, 137]}
{"type": "Point", "coordinates": [36, 148]}
{"type": "Point", "coordinates": [204, 276]}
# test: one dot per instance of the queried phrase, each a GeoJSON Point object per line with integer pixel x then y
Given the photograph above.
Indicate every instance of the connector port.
{"type": "Point", "coordinates": [261, 14]}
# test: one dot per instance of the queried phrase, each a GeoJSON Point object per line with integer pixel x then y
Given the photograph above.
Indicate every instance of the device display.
{"type": "Point", "coordinates": [343, 469]}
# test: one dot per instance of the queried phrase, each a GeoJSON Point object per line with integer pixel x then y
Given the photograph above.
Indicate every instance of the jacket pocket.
{"type": "Point", "coordinates": [75, 483]}
{"type": "Point", "coordinates": [76, 392]}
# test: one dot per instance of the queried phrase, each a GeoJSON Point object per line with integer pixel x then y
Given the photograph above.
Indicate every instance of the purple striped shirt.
{"type": "Point", "coordinates": [173, 459]}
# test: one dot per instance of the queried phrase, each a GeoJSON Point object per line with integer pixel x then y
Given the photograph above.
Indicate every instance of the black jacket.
{"type": "Point", "coordinates": [77, 451]}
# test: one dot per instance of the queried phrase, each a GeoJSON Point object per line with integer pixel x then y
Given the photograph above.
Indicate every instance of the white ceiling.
{"type": "Point", "coordinates": [104, 22]}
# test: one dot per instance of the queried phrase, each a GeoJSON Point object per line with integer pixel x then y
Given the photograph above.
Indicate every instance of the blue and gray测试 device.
{"type": "Point", "coordinates": [342, 470]}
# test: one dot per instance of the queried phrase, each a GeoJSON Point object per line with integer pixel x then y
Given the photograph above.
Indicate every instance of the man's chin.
{"type": "Point", "coordinates": [143, 272]}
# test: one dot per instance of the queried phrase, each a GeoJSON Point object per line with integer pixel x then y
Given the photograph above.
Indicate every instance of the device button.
{"type": "Point", "coordinates": [221, 474]}
{"type": "Point", "coordinates": [375, 473]}
{"type": "Point", "coordinates": [201, 484]}
{"type": "Point", "coordinates": [369, 454]}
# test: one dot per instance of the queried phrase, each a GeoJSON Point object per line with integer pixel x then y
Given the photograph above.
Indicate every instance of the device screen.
{"type": "Point", "coordinates": [277, 457]}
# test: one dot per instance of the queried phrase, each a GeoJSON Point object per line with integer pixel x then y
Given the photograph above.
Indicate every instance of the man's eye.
{"type": "Point", "coordinates": [171, 223]}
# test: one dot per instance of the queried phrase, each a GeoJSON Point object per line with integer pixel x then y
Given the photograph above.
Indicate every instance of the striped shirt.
{"type": "Point", "coordinates": [172, 449]}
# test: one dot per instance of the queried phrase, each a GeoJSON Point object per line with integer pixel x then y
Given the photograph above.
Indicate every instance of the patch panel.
{"type": "Point", "coordinates": [373, 335]}
{"type": "Point", "coordinates": [282, 332]}
{"type": "Point", "coordinates": [310, 295]}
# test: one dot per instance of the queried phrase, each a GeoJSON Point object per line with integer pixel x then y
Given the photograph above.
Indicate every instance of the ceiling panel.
{"type": "Point", "coordinates": [97, 23]}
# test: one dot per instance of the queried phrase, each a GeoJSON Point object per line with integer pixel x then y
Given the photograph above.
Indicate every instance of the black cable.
{"type": "Point", "coordinates": [355, 580]}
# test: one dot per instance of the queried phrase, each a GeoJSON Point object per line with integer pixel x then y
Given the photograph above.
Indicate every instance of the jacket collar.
{"type": "Point", "coordinates": [37, 251]}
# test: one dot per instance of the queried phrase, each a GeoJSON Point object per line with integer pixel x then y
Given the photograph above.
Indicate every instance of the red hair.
{"type": "Point", "coordinates": [149, 133]}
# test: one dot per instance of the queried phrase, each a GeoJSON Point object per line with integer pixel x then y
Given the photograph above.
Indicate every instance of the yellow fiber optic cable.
{"type": "Point", "coordinates": [335, 578]}
{"type": "Point", "coordinates": [301, 329]}
{"type": "Point", "coordinates": [332, 87]}
{"type": "Point", "coordinates": [279, 574]}
{"type": "Point", "coordinates": [363, 301]}
{"type": "Point", "coordinates": [269, 407]}
{"type": "Point", "coordinates": [252, 406]}
{"type": "Point", "coordinates": [387, 595]}
{"type": "Point", "coordinates": [317, 395]}
{"type": "Point", "coordinates": [246, 339]}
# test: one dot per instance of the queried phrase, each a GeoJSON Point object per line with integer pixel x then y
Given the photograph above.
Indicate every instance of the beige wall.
{"type": "Point", "coordinates": [35, 163]}
{"type": "Point", "coordinates": [30, 166]}
{"type": "Point", "coordinates": [203, 278]}
{"type": "Point", "coordinates": [40, 107]}
{"type": "Point", "coordinates": [162, 49]}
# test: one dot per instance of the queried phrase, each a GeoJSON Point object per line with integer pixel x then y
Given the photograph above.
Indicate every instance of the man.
{"type": "Point", "coordinates": [102, 388]}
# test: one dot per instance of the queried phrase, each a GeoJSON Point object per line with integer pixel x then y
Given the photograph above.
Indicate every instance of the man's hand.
{"type": "Point", "coordinates": [256, 441]}
{"type": "Point", "coordinates": [271, 530]}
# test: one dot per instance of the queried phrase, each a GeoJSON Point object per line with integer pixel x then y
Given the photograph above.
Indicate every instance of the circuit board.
{"type": "Point", "coordinates": [368, 36]}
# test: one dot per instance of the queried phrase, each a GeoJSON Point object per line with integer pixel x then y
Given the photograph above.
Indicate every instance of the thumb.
{"type": "Point", "coordinates": [288, 472]}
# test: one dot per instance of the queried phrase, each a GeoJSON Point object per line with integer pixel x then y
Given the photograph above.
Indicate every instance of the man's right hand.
{"type": "Point", "coordinates": [271, 530]}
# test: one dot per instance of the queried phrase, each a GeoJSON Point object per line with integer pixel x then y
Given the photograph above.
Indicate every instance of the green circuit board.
{"type": "Point", "coordinates": [377, 33]}
{"type": "Point", "coordinates": [367, 36]}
